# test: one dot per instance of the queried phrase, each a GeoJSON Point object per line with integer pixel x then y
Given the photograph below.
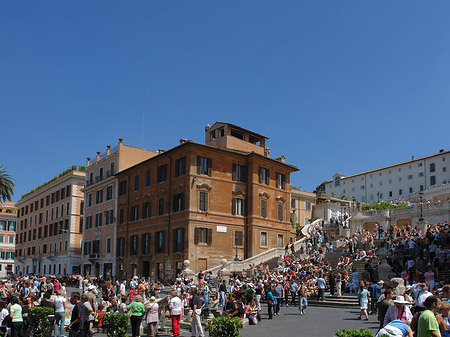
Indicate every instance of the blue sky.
{"type": "Point", "coordinates": [337, 86]}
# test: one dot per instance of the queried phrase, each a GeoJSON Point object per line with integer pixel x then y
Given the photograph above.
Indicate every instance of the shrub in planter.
{"type": "Point", "coordinates": [39, 322]}
{"type": "Point", "coordinates": [353, 333]}
{"type": "Point", "coordinates": [116, 324]}
{"type": "Point", "coordinates": [224, 326]}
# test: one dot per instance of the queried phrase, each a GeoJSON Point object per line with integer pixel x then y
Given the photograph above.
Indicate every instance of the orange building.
{"type": "Point", "coordinates": [49, 226]}
{"type": "Point", "coordinates": [8, 215]}
{"type": "Point", "coordinates": [202, 202]}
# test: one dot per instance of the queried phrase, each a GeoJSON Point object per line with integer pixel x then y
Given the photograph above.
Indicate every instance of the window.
{"type": "Point", "coordinates": [133, 245]}
{"type": "Point", "coordinates": [371, 185]}
{"type": "Point", "coordinates": [421, 187]}
{"type": "Point", "coordinates": [264, 208]}
{"type": "Point", "coordinates": [363, 187]}
{"type": "Point", "coordinates": [203, 235]}
{"type": "Point", "coordinates": [146, 208]}
{"type": "Point", "coordinates": [280, 212]}
{"type": "Point", "coordinates": [95, 247]}
{"type": "Point", "coordinates": [148, 178]}
{"type": "Point", "coordinates": [159, 242]}
{"type": "Point", "coordinates": [178, 240]}
{"type": "Point", "coordinates": [99, 197]}
{"type": "Point", "coordinates": [410, 177]}
{"type": "Point", "coordinates": [280, 242]}
{"type": "Point", "coordinates": [400, 192]}
{"type": "Point", "coordinates": [254, 140]}
{"type": "Point", "coordinates": [122, 187]}
{"type": "Point", "coordinates": [381, 183]}
{"type": "Point", "coordinates": [160, 206]}
{"type": "Point", "coordinates": [238, 239]}
{"type": "Point", "coordinates": [121, 215]}
{"type": "Point", "coordinates": [109, 216]}
{"type": "Point", "coordinates": [88, 222]}
{"type": "Point", "coordinates": [2, 237]}
{"type": "Point", "coordinates": [237, 134]}
{"type": "Point", "coordinates": [444, 169]}
{"type": "Point", "coordinates": [390, 194]}
{"type": "Point", "coordinates": [111, 168]}
{"type": "Point", "coordinates": [134, 214]}
{"type": "Point", "coordinates": [120, 246]}
{"type": "Point", "coordinates": [146, 243]}
{"type": "Point", "coordinates": [264, 176]}
{"type": "Point", "coordinates": [2, 225]}
{"type": "Point", "coordinates": [180, 166]}
{"type": "Point", "coordinates": [89, 201]}
{"type": "Point", "coordinates": [381, 196]}
{"type": "Point", "coordinates": [239, 173]}
{"type": "Point", "coordinates": [86, 248]}
{"type": "Point", "coordinates": [337, 181]}
{"type": "Point", "coordinates": [98, 220]}
{"type": "Point", "coordinates": [399, 178]}
{"type": "Point", "coordinates": [136, 182]}
{"type": "Point", "coordinates": [12, 226]}
{"type": "Point", "coordinates": [100, 174]}
{"type": "Point", "coordinates": [420, 164]}
{"type": "Point", "coordinates": [109, 192]}
{"type": "Point", "coordinates": [390, 181]}
{"type": "Point", "coordinates": [307, 205]}
{"type": "Point", "coordinates": [410, 190]}
{"type": "Point", "coordinates": [204, 165]}
{"type": "Point", "coordinates": [238, 206]}
{"type": "Point", "coordinates": [263, 239]}
{"type": "Point", "coordinates": [293, 203]}
{"type": "Point", "coordinates": [108, 245]}
{"type": "Point", "coordinates": [178, 202]}
{"type": "Point", "coordinates": [399, 169]}
{"type": "Point", "coordinates": [161, 173]}
{"type": "Point", "coordinates": [281, 180]}
{"type": "Point", "coordinates": [203, 202]}
{"type": "Point", "coordinates": [432, 167]}
{"type": "Point", "coordinates": [432, 180]}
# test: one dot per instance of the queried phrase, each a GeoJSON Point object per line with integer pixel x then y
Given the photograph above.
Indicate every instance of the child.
{"type": "Point", "coordinates": [99, 318]}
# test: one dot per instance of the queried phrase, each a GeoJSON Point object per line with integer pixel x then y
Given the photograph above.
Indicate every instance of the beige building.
{"type": "Point", "coordinates": [8, 216]}
{"type": "Point", "coordinates": [49, 226]}
{"type": "Point", "coordinates": [302, 204]}
{"type": "Point", "coordinates": [100, 199]}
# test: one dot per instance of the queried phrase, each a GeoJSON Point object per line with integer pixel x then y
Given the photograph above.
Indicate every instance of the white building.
{"type": "Point", "coordinates": [392, 182]}
{"type": "Point", "coordinates": [8, 217]}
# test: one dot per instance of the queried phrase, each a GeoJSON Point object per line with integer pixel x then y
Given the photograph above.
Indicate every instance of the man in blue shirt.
{"type": "Point", "coordinates": [375, 293]}
{"type": "Point", "coordinates": [321, 287]}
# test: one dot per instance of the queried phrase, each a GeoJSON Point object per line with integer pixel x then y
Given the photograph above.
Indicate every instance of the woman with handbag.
{"type": "Point", "coordinates": [176, 307]}
{"type": "Point", "coordinates": [152, 317]}
{"type": "Point", "coordinates": [136, 311]}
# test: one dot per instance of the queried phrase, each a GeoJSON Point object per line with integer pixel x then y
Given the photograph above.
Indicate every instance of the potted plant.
{"type": "Point", "coordinates": [224, 326]}
{"type": "Point", "coordinates": [39, 321]}
{"type": "Point", "coordinates": [116, 324]}
{"type": "Point", "coordinates": [353, 333]}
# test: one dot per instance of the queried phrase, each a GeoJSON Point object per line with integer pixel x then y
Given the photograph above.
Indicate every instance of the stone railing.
{"type": "Point", "coordinates": [264, 256]}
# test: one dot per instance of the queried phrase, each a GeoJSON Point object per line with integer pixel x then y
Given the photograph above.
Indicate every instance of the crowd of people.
{"type": "Point", "coordinates": [403, 305]}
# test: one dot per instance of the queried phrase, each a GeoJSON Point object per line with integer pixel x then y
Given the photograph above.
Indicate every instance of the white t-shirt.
{"type": "Point", "coordinates": [59, 303]}
{"type": "Point", "coordinates": [3, 314]}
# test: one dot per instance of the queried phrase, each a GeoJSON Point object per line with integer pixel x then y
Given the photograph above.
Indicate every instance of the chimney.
{"type": "Point", "coordinates": [207, 127]}
{"type": "Point", "coordinates": [108, 150]}
{"type": "Point", "coordinates": [88, 163]}
{"type": "Point", "coordinates": [412, 157]}
{"type": "Point", "coordinates": [182, 141]}
{"type": "Point", "coordinates": [441, 150]}
{"type": "Point", "coordinates": [281, 159]}
{"type": "Point", "coordinates": [267, 152]}
{"type": "Point", "coordinates": [98, 156]}
{"type": "Point", "coordinates": [161, 151]}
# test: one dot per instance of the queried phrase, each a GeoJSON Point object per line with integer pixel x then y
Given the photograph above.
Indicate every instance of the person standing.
{"type": "Point", "coordinates": [77, 320]}
{"type": "Point", "coordinates": [339, 284]}
{"type": "Point", "coordinates": [375, 293]}
{"type": "Point", "coordinates": [278, 293]}
{"type": "Point", "coordinates": [152, 317]}
{"type": "Point", "coordinates": [321, 287]}
{"type": "Point", "coordinates": [16, 315]}
{"type": "Point", "coordinates": [363, 296]}
{"type": "Point", "coordinates": [270, 303]}
{"type": "Point", "coordinates": [293, 287]}
{"type": "Point", "coordinates": [60, 313]}
{"type": "Point", "coordinates": [196, 312]}
{"type": "Point", "coordinates": [384, 306]}
{"type": "Point", "coordinates": [428, 326]}
{"type": "Point", "coordinates": [332, 282]}
{"type": "Point", "coordinates": [175, 307]}
{"type": "Point", "coordinates": [137, 311]}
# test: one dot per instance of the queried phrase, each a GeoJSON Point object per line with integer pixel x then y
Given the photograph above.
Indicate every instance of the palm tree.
{"type": "Point", "coordinates": [6, 185]}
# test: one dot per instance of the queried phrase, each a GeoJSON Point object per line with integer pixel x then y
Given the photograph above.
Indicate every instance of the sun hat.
{"type": "Point", "coordinates": [152, 299]}
{"type": "Point", "coordinates": [400, 300]}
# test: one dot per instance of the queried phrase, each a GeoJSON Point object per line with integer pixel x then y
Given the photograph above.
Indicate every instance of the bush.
{"type": "Point", "coordinates": [39, 322]}
{"type": "Point", "coordinates": [224, 327]}
{"type": "Point", "coordinates": [116, 324]}
{"type": "Point", "coordinates": [354, 333]}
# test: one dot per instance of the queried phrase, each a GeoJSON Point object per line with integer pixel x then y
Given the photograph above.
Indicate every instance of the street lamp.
{"type": "Point", "coordinates": [421, 206]}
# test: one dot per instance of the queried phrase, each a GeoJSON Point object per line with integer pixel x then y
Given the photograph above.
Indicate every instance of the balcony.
{"type": "Point", "coordinates": [94, 257]}
{"type": "Point", "coordinates": [53, 256]}
{"type": "Point", "coordinates": [36, 257]}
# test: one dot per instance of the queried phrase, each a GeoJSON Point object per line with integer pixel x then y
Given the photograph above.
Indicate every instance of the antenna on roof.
{"type": "Point", "coordinates": [143, 106]}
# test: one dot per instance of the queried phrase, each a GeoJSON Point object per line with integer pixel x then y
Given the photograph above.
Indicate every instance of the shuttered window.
{"type": "Point", "coordinates": [239, 173]}
{"type": "Point", "coordinates": [264, 176]}
{"type": "Point", "coordinates": [202, 235]}
{"type": "Point", "coordinates": [238, 238]}
{"type": "Point", "coordinates": [204, 166]}
{"type": "Point", "coordinates": [238, 206]}
{"type": "Point", "coordinates": [280, 212]}
{"type": "Point", "coordinates": [203, 202]}
{"type": "Point", "coordinates": [264, 208]}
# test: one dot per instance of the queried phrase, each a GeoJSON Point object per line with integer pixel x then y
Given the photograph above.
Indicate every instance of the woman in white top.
{"type": "Point", "coordinates": [176, 307]}
{"type": "Point", "coordinates": [60, 313]}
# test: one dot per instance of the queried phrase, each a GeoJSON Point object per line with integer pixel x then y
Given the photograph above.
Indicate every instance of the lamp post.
{"type": "Point", "coordinates": [421, 206]}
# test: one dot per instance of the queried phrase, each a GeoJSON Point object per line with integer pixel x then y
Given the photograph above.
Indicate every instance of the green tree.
{"type": "Point", "coordinates": [320, 190]}
{"type": "Point", "coordinates": [6, 185]}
